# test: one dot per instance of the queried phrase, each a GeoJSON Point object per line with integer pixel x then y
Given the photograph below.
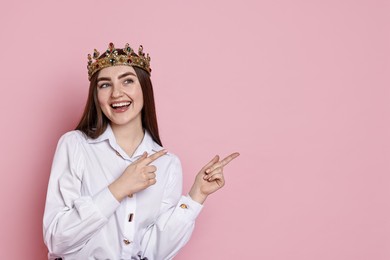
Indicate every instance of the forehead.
{"type": "Point", "coordinates": [114, 71]}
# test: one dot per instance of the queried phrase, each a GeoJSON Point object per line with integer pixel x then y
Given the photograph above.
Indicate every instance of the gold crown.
{"type": "Point", "coordinates": [112, 58]}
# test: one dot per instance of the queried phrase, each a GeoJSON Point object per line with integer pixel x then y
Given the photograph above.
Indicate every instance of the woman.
{"type": "Point", "coordinates": [114, 192]}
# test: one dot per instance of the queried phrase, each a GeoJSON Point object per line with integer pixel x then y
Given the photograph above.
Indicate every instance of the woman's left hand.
{"type": "Point", "coordinates": [210, 178]}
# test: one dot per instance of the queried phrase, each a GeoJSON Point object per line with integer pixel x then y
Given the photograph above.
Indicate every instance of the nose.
{"type": "Point", "coordinates": [116, 91]}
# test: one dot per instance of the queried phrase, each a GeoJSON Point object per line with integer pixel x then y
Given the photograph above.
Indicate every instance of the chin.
{"type": "Point", "coordinates": [125, 121]}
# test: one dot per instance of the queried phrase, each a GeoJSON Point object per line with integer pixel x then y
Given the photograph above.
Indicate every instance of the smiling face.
{"type": "Point", "coordinates": [120, 95]}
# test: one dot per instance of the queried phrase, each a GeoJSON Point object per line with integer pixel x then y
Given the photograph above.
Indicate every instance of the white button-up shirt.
{"type": "Point", "coordinates": [83, 220]}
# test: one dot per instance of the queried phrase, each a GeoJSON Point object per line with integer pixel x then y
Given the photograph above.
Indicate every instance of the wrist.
{"type": "Point", "coordinates": [118, 193]}
{"type": "Point", "coordinates": [197, 196]}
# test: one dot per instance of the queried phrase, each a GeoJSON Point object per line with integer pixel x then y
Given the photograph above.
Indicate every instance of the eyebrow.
{"type": "Point", "coordinates": [119, 77]}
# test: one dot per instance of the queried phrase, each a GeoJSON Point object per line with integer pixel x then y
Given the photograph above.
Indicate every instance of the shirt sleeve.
{"type": "Point", "coordinates": [71, 219]}
{"type": "Point", "coordinates": [176, 221]}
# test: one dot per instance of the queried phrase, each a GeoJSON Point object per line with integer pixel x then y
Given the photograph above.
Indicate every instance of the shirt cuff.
{"type": "Point", "coordinates": [189, 208]}
{"type": "Point", "coordinates": [106, 202]}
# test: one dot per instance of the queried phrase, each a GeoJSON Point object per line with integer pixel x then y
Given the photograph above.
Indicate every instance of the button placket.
{"type": "Point", "coordinates": [128, 232]}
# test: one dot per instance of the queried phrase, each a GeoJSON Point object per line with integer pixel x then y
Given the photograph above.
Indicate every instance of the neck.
{"type": "Point", "coordinates": [128, 136]}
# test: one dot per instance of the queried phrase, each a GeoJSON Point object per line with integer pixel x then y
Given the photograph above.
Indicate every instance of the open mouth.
{"type": "Point", "coordinates": [121, 105]}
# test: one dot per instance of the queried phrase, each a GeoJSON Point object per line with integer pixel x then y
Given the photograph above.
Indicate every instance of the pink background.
{"type": "Point", "coordinates": [299, 88]}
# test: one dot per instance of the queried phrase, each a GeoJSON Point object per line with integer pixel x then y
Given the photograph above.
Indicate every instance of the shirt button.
{"type": "Point", "coordinates": [131, 215]}
{"type": "Point", "coordinates": [126, 241]}
{"type": "Point", "coordinates": [183, 206]}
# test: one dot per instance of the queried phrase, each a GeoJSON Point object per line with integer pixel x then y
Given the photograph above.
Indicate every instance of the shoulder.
{"type": "Point", "coordinates": [73, 137]}
{"type": "Point", "coordinates": [169, 157]}
{"type": "Point", "coordinates": [71, 141]}
{"type": "Point", "coordinates": [173, 157]}
{"type": "Point", "coordinates": [173, 162]}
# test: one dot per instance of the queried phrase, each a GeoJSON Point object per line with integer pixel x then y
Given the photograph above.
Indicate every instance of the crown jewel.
{"type": "Point", "coordinates": [112, 58]}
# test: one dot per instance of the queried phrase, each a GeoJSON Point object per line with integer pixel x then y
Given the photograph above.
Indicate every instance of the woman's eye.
{"type": "Point", "coordinates": [105, 85]}
{"type": "Point", "coordinates": [129, 81]}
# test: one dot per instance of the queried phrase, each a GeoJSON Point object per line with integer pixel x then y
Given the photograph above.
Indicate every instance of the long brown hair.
{"type": "Point", "coordinates": [93, 122]}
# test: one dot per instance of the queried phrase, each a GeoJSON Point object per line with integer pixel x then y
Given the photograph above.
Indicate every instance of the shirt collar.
{"type": "Point", "coordinates": [147, 144]}
{"type": "Point", "coordinates": [106, 135]}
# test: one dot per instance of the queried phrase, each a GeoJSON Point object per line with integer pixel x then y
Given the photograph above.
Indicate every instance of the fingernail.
{"type": "Point", "coordinates": [208, 171]}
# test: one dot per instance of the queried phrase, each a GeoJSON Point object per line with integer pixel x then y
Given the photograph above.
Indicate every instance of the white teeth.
{"type": "Point", "coordinates": [121, 104]}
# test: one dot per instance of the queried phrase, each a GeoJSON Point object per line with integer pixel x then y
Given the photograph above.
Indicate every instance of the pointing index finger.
{"type": "Point", "coordinates": [229, 158]}
{"type": "Point", "coordinates": [223, 162]}
{"type": "Point", "coordinates": [154, 157]}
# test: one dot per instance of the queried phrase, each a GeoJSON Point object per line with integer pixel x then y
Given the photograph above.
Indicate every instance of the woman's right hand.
{"type": "Point", "coordinates": [138, 176]}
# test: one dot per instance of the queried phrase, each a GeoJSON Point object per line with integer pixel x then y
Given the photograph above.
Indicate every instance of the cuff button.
{"type": "Point", "coordinates": [183, 206]}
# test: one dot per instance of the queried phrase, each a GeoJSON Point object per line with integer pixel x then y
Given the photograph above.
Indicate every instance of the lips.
{"type": "Point", "coordinates": [121, 105]}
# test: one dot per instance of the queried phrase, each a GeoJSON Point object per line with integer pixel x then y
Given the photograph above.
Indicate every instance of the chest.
{"type": "Point", "coordinates": [103, 165]}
